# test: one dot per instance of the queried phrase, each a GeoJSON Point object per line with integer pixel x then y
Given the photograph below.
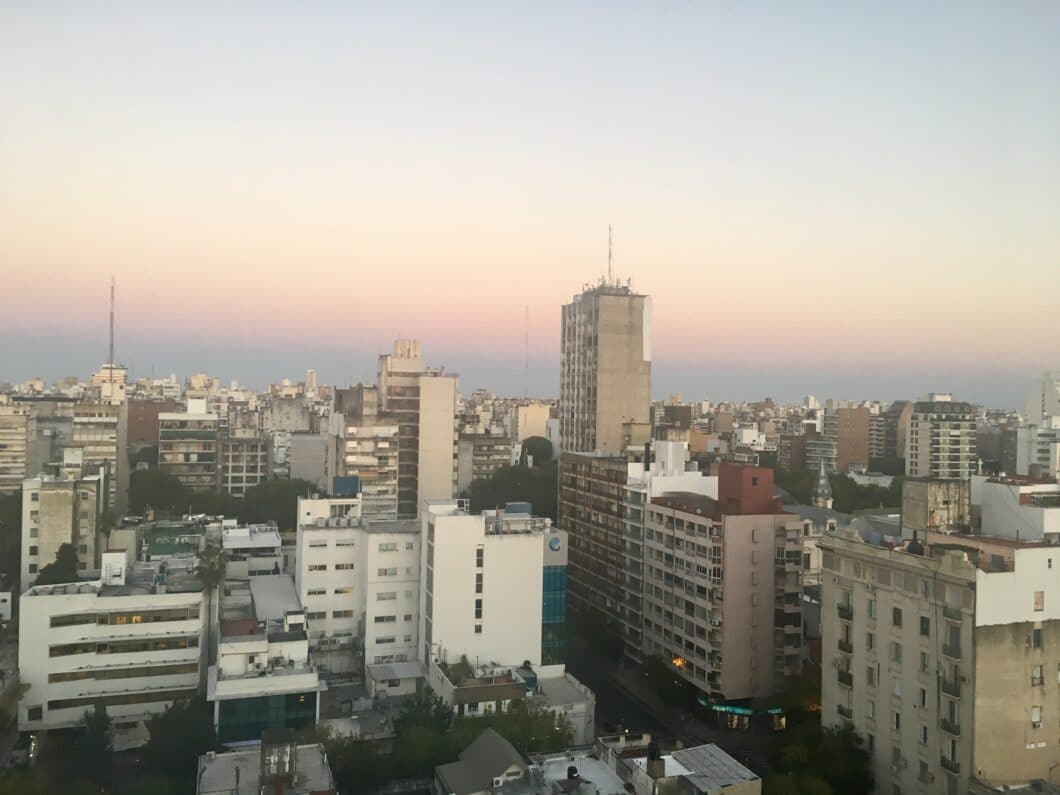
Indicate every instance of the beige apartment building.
{"type": "Point", "coordinates": [101, 431]}
{"type": "Point", "coordinates": [366, 442]}
{"type": "Point", "coordinates": [941, 440]}
{"type": "Point", "coordinates": [479, 455]}
{"type": "Point", "coordinates": [16, 425]}
{"type": "Point", "coordinates": [423, 401]}
{"type": "Point", "coordinates": [722, 590]}
{"type": "Point", "coordinates": [943, 657]}
{"type": "Point", "coordinates": [56, 511]}
{"type": "Point", "coordinates": [605, 368]}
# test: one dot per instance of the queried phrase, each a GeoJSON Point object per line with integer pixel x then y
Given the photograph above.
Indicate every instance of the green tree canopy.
{"type": "Point", "coordinates": [153, 488]}
{"type": "Point", "coordinates": [537, 447]}
{"type": "Point", "coordinates": [179, 736]}
{"type": "Point", "coordinates": [538, 486]}
{"type": "Point", "coordinates": [64, 569]}
{"type": "Point", "coordinates": [275, 501]}
{"type": "Point", "coordinates": [425, 709]}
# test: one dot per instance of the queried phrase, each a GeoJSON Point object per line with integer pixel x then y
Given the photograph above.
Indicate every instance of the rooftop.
{"type": "Point", "coordinates": [257, 536]}
{"type": "Point", "coordinates": [274, 595]}
{"type": "Point", "coordinates": [238, 772]}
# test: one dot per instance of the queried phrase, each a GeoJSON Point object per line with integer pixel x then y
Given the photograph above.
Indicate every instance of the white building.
{"type": "Point", "coordinates": [264, 677]}
{"type": "Point", "coordinates": [253, 550]}
{"type": "Point", "coordinates": [941, 440]}
{"type": "Point", "coordinates": [1038, 448]}
{"type": "Point", "coordinates": [126, 640]}
{"type": "Point", "coordinates": [1017, 508]}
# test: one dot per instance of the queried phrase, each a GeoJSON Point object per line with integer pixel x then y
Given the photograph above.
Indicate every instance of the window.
{"type": "Point", "coordinates": [923, 697]}
{"type": "Point", "coordinates": [388, 547]}
{"type": "Point", "coordinates": [32, 568]}
{"type": "Point", "coordinates": [870, 676]}
{"type": "Point", "coordinates": [343, 567]}
{"type": "Point", "coordinates": [923, 734]}
{"type": "Point", "coordinates": [1036, 717]}
{"type": "Point", "coordinates": [318, 566]}
{"type": "Point", "coordinates": [478, 582]}
{"type": "Point", "coordinates": [345, 590]}
{"type": "Point", "coordinates": [870, 640]}
{"type": "Point", "coordinates": [409, 546]}
{"type": "Point", "coordinates": [342, 614]}
{"type": "Point", "coordinates": [316, 591]}
{"type": "Point", "coordinates": [923, 775]}
{"type": "Point", "coordinates": [479, 554]}
{"type": "Point", "coordinates": [896, 685]}
{"type": "Point", "coordinates": [898, 720]}
{"type": "Point", "coordinates": [317, 616]}
{"type": "Point", "coordinates": [896, 616]}
{"type": "Point", "coordinates": [35, 713]}
{"type": "Point", "coordinates": [896, 755]}
{"type": "Point", "coordinates": [478, 609]}
{"type": "Point", "coordinates": [871, 709]}
{"type": "Point", "coordinates": [408, 616]}
{"type": "Point", "coordinates": [1036, 638]}
{"type": "Point", "coordinates": [33, 550]}
{"type": "Point", "coordinates": [872, 608]}
{"type": "Point", "coordinates": [386, 596]}
{"type": "Point", "coordinates": [1039, 601]}
{"type": "Point", "coordinates": [896, 651]}
{"type": "Point", "coordinates": [391, 572]}
{"type": "Point", "coordinates": [1037, 678]}
{"type": "Point", "coordinates": [925, 626]}
{"type": "Point", "coordinates": [385, 619]}
{"type": "Point", "coordinates": [478, 629]}
{"type": "Point", "coordinates": [923, 661]}
{"type": "Point", "coordinates": [385, 639]}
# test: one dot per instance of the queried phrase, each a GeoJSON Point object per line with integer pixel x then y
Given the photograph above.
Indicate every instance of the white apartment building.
{"type": "Point", "coordinates": [253, 551]}
{"type": "Point", "coordinates": [941, 440]}
{"type": "Point", "coordinates": [264, 677]}
{"type": "Point", "coordinates": [16, 427]}
{"type": "Point", "coordinates": [246, 460]}
{"type": "Point", "coordinates": [126, 640]}
{"type": "Point", "coordinates": [359, 582]}
{"type": "Point", "coordinates": [1038, 448]}
{"type": "Point", "coordinates": [942, 657]}
{"type": "Point", "coordinates": [1017, 508]}
{"type": "Point", "coordinates": [57, 511]}
{"type": "Point", "coordinates": [101, 430]}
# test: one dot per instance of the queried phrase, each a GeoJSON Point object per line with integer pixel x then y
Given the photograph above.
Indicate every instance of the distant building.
{"type": "Point", "coordinates": [941, 442]}
{"type": "Point", "coordinates": [246, 460]}
{"type": "Point", "coordinates": [188, 445]}
{"type": "Point", "coordinates": [938, 505]}
{"type": "Point", "coordinates": [57, 511]}
{"type": "Point", "coordinates": [366, 447]}
{"type": "Point", "coordinates": [480, 455]}
{"type": "Point", "coordinates": [278, 765]}
{"type": "Point", "coordinates": [307, 458]}
{"type": "Point", "coordinates": [605, 369]}
{"type": "Point", "coordinates": [530, 419]}
{"type": "Point", "coordinates": [16, 428]}
{"type": "Point", "coordinates": [896, 428]}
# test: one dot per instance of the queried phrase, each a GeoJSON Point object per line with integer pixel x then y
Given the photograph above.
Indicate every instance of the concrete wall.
{"type": "Point", "coordinates": [530, 420]}
{"type": "Point", "coordinates": [437, 442]}
{"type": "Point", "coordinates": [623, 377]}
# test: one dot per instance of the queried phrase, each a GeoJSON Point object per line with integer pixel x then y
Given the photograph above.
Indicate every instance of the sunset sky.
{"type": "Point", "coordinates": [850, 200]}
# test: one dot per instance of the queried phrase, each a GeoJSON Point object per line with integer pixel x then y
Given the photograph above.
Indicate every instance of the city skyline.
{"type": "Point", "coordinates": [847, 214]}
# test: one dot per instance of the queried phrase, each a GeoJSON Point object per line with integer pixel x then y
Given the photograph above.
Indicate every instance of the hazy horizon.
{"type": "Point", "coordinates": [853, 201]}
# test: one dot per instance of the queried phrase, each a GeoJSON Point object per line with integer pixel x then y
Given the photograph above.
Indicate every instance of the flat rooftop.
{"type": "Point", "coordinates": [238, 772]}
{"type": "Point", "coordinates": [273, 595]}
{"type": "Point", "coordinates": [250, 537]}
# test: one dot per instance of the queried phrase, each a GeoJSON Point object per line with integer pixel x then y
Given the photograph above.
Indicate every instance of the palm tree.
{"type": "Point", "coordinates": [210, 569]}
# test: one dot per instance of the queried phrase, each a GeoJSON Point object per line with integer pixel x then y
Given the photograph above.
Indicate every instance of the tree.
{"type": "Point", "coordinates": [94, 747]}
{"type": "Point", "coordinates": [538, 486]}
{"type": "Point", "coordinates": [63, 570]}
{"type": "Point", "coordinates": [210, 569]}
{"type": "Point", "coordinates": [538, 448]}
{"type": "Point", "coordinates": [822, 761]}
{"type": "Point", "coordinates": [179, 736]}
{"type": "Point", "coordinates": [10, 531]}
{"type": "Point", "coordinates": [425, 709]}
{"type": "Point", "coordinates": [153, 488]}
{"type": "Point", "coordinates": [274, 501]}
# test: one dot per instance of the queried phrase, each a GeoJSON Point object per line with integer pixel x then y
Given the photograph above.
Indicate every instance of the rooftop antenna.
{"type": "Point", "coordinates": [526, 353]}
{"type": "Point", "coordinates": [110, 350]}
{"type": "Point", "coordinates": [609, 253]}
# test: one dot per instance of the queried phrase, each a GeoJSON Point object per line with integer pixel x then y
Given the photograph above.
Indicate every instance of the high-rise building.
{"type": "Point", "coordinates": [941, 442]}
{"type": "Point", "coordinates": [942, 658]}
{"type": "Point", "coordinates": [1044, 400]}
{"type": "Point", "coordinates": [896, 428]}
{"type": "Point", "coordinates": [722, 593]}
{"type": "Point", "coordinates": [16, 424]}
{"type": "Point", "coordinates": [530, 419]}
{"type": "Point", "coordinates": [423, 401]}
{"type": "Point", "coordinates": [100, 430]}
{"type": "Point", "coordinates": [852, 434]}
{"type": "Point", "coordinates": [605, 369]}
{"type": "Point", "coordinates": [366, 441]}
{"type": "Point", "coordinates": [479, 455]}
{"type": "Point", "coordinates": [246, 460]}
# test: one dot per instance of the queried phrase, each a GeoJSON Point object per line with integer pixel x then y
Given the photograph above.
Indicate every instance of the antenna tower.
{"type": "Point", "coordinates": [609, 279]}
{"type": "Point", "coordinates": [526, 353]}
{"type": "Point", "coordinates": [110, 349]}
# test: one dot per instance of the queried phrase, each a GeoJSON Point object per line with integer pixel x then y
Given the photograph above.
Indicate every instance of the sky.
{"type": "Point", "coordinates": [851, 200]}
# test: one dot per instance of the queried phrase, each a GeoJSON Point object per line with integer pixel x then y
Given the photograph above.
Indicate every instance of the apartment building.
{"type": "Point", "coordinates": [359, 582]}
{"type": "Point", "coordinates": [129, 640]}
{"type": "Point", "coordinates": [423, 401]}
{"type": "Point", "coordinates": [264, 677]}
{"type": "Point", "coordinates": [941, 441]}
{"type": "Point", "coordinates": [530, 419]}
{"type": "Point", "coordinates": [942, 657]}
{"type": "Point", "coordinates": [896, 428]}
{"type": "Point", "coordinates": [16, 429]}
{"type": "Point", "coordinates": [722, 592]}
{"type": "Point", "coordinates": [246, 460]}
{"type": "Point", "coordinates": [57, 511]}
{"type": "Point", "coordinates": [366, 441]}
{"type": "Point", "coordinates": [188, 445]}
{"type": "Point", "coordinates": [605, 368]}
{"type": "Point", "coordinates": [100, 430]}
{"type": "Point", "coordinates": [877, 436]}
{"type": "Point", "coordinates": [1017, 507]}
{"type": "Point", "coordinates": [479, 455]}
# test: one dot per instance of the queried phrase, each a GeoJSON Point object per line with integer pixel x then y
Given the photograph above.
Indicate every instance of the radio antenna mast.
{"type": "Point", "coordinates": [609, 277]}
{"type": "Point", "coordinates": [110, 349]}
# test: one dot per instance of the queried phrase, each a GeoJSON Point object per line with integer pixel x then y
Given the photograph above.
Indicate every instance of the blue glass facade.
{"type": "Point", "coordinates": [246, 718]}
{"type": "Point", "coordinates": [554, 615]}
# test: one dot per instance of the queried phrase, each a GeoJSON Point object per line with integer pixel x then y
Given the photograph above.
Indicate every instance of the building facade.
{"type": "Point", "coordinates": [941, 442]}
{"type": "Point", "coordinates": [188, 447]}
{"type": "Point", "coordinates": [57, 511]}
{"type": "Point", "coordinates": [605, 368]}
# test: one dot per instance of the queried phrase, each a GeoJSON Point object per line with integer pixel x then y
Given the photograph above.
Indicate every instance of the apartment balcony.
{"type": "Point", "coordinates": [845, 712]}
{"type": "Point", "coordinates": [952, 765]}
{"type": "Point", "coordinates": [951, 688]}
{"type": "Point", "coordinates": [951, 727]}
{"type": "Point", "coordinates": [952, 651]}
{"type": "Point", "coordinates": [846, 678]}
{"type": "Point", "coordinates": [846, 612]}
{"type": "Point", "coordinates": [846, 646]}
{"type": "Point", "coordinates": [952, 613]}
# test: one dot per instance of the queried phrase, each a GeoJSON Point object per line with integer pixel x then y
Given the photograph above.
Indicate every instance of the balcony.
{"type": "Point", "coordinates": [846, 612]}
{"type": "Point", "coordinates": [846, 678]}
{"type": "Point", "coordinates": [846, 646]}
{"type": "Point", "coordinates": [950, 727]}
{"type": "Point", "coordinates": [845, 712]}
{"type": "Point", "coordinates": [951, 688]}
{"type": "Point", "coordinates": [952, 651]}
{"type": "Point", "coordinates": [952, 765]}
{"type": "Point", "coordinates": [952, 613]}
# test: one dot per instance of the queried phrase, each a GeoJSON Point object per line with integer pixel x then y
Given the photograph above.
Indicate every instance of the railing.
{"type": "Point", "coordinates": [846, 612]}
{"type": "Point", "coordinates": [846, 646]}
{"type": "Point", "coordinates": [845, 712]}
{"type": "Point", "coordinates": [846, 678]}
{"type": "Point", "coordinates": [951, 651]}
{"type": "Point", "coordinates": [951, 727]}
{"type": "Point", "coordinates": [951, 765]}
{"type": "Point", "coordinates": [951, 688]}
